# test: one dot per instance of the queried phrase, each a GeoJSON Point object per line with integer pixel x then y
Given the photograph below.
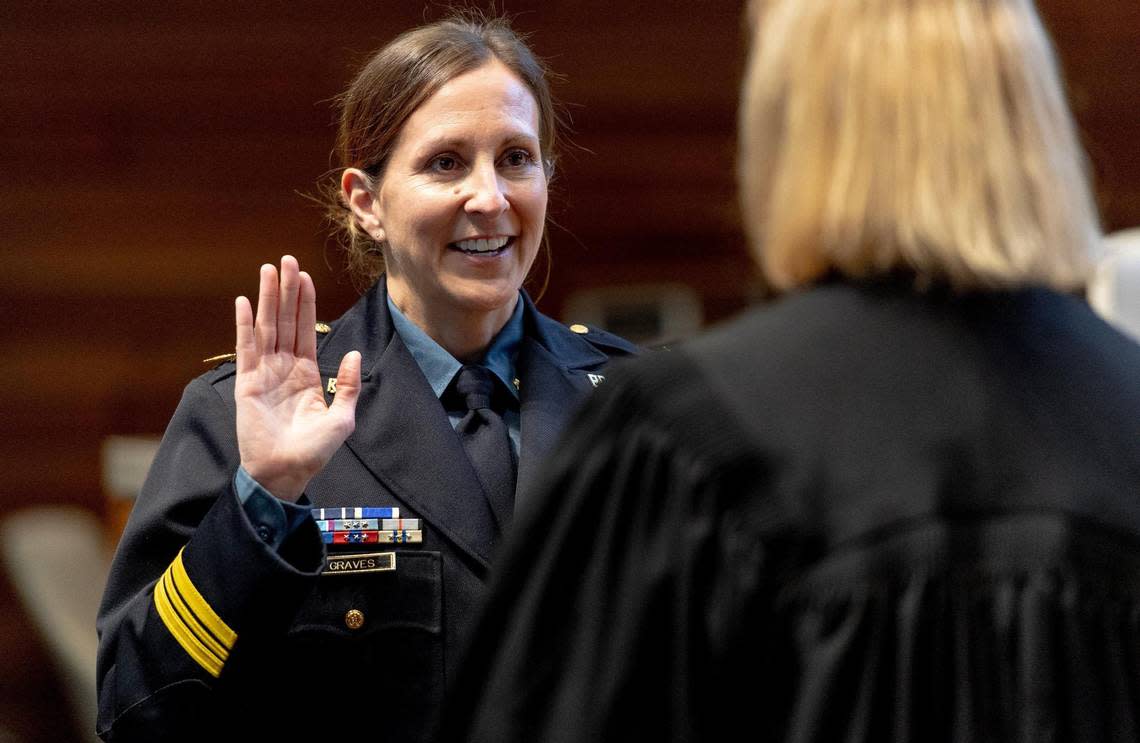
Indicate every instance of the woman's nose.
{"type": "Point", "coordinates": [486, 195]}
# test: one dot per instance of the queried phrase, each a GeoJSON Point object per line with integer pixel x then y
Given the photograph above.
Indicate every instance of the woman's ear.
{"type": "Point", "coordinates": [358, 190]}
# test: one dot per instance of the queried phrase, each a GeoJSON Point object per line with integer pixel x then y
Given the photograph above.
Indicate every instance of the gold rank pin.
{"type": "Point", "coordinates": [321, 327]}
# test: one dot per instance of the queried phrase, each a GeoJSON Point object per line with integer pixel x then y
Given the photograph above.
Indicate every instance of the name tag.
{"type": "Point", "coordinates": [362, 562]}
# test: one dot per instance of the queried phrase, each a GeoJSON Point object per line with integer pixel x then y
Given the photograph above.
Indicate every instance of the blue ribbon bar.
{"type": "Point", "coordinates": [321, 514]}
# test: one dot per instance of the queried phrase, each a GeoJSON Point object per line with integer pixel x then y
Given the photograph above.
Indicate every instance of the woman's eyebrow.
{"type": "Point", "coordinates": [445, 143]}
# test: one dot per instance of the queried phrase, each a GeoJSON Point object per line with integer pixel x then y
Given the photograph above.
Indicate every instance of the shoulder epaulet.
{"type": "Point", "coordinates": [321, 328]}
{"type": "Point", "coordinates": [603, 339]}
{"type": "Point", "coordinates": [220, 358]}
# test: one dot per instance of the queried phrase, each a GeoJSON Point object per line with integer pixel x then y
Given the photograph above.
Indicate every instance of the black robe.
{"type": "Point", "coordinates": [860, 514]}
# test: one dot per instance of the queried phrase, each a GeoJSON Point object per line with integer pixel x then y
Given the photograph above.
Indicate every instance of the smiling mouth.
{"type": "Point", "coordinates": [489, 246]}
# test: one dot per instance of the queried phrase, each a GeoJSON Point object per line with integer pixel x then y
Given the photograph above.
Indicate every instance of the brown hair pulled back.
{"type": "Point", "coordinates": [395, 81]}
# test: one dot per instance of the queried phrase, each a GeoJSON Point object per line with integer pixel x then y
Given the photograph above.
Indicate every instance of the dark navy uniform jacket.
{"type": "Point", "coordinates": [207, 631]}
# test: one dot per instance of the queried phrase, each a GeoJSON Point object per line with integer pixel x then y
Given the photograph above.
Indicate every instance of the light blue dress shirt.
{"type": "Point", "coordinates": [440, 367]}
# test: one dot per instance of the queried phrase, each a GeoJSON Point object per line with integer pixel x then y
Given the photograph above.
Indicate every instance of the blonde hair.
{"type": "Point", "coordinates": [923, 137]}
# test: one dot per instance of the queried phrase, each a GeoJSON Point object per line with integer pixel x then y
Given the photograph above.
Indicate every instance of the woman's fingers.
{"type": "Point", "coordinates": [307, 318]}
{"type": "Point", "coordinates": [265, 329]}
{"type": "Point", "coordinates": [286, 316]}
{"type": "Point", "coordinates": [347, 391]}
{"type": "Point", "coordinates": [244, 345]}
{"type": "Point", "coordinates": [287, 304]}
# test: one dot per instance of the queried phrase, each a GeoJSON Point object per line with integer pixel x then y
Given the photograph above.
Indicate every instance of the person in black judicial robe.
{"type": "Point", "coordinates": [862, 512]}
{"type": "Point", "coordinates": [900, 502]}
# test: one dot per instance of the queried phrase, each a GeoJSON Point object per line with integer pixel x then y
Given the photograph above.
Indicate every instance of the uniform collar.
{"type": "Point", "coordinates": [440, 367]}
{"type": "Point", "coordinates": [368, 327]}
{"type": "Point", "coordinates": [571, 350]}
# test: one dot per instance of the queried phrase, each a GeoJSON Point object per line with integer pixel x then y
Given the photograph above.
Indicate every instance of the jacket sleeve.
{"type": "Point", "coordinates": [191, 581]}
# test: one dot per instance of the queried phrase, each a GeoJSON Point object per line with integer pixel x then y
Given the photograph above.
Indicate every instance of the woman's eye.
{"type": "Point", "coordinates": [444, 163]}
{"type": "Point", "coordinates": [517, 158]}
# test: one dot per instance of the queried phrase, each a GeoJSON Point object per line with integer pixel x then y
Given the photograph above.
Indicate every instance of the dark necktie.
{"type": "Point", "coordinates": [485, 438]}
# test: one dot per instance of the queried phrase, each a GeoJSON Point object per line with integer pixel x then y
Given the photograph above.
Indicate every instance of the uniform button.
{"type": "Point", "coordinates": [265, 533]}
{"type": "Point", "coordinates": [354, 619]}
{"type": "Point", "coordinates": [579, 328]}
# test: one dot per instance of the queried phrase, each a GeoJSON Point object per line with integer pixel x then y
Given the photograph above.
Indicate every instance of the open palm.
{"type": "Point", "coordinates": [286, 433]}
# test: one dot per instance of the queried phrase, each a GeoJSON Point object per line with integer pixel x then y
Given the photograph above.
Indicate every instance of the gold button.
{"type": "Point", "coordinates": [579, 328]}
{"type": "Point", "coordinates": [354, 619]}
{"type": "Point", "coordinates": [322, 327]}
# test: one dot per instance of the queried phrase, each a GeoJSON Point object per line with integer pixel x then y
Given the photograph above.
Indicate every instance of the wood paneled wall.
{"type": "Point", "coordinates": [153, 154]}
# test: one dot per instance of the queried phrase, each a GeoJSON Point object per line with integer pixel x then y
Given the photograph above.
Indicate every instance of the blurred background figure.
{"type": "Point", "coordinates": [1114, 290]}
{"type": "Point", "coordinates": [898, 502]}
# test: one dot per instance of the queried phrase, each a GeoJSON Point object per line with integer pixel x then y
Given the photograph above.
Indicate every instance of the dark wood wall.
{"type": "Point", "coordinates": [153, 154]}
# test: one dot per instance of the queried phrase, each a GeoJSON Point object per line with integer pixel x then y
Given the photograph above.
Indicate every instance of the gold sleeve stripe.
{"type": "Point", "coordinates": [198, 605]}
{"type": "Point", "coordinates": [193, 647]}
{"type": "Point", "coordinates": [190, 621]}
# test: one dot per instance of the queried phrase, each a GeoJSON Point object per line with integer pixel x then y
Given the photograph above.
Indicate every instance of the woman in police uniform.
{"type": "Point", "coordinates": [235, 606]}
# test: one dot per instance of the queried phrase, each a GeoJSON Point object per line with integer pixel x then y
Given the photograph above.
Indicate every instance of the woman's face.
{"type": "Point", "coordinates": [461, 205]}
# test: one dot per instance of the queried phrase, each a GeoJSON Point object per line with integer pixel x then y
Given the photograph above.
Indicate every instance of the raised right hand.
{"type": "Point", "coordinates": [286, 433]}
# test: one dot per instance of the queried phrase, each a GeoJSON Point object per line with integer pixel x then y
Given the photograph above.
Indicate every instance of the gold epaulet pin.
{"type": "Point", "coordinates": [321, 327]}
